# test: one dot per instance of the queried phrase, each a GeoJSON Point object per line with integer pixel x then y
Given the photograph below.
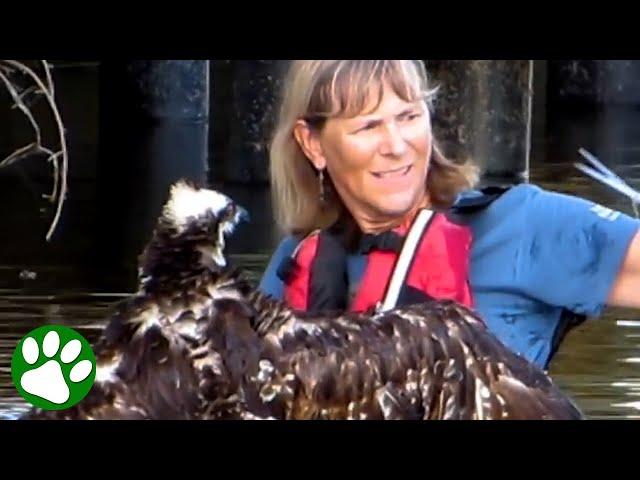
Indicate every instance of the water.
{"type": "Point", "coordinates": [21, 312]}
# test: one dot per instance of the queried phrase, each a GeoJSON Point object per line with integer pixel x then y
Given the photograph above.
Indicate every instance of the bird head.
{"type": "Point", "coordinates": [191, 233]}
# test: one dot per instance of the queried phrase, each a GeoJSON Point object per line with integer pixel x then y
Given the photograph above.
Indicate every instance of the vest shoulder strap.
{"type": "Point", "coordinates": [409, 248]}
{"type": "Point", "coordinates": [477, 200]}
{"type": "Point", "coordinates": [288, 264]}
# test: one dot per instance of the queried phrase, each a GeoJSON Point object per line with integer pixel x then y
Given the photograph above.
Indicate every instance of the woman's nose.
{"type": "Point", "coordinates": [393, 142]}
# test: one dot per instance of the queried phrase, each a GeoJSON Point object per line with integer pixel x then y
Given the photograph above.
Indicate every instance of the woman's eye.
{"type": "Point", "coordinates": [366, 127]}
{"type": "Point", "coordinates": [410, 116]}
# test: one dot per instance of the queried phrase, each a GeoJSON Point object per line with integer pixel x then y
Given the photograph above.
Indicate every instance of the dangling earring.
{"type": "Point", "coordinates": [321, 181]}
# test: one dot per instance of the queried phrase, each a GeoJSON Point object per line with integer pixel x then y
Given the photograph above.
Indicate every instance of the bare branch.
{"type": "Point", "coordinates": [26, 151]}
{"type": "Point", "coordinates": [47, 72]}
{"type": "Point", "coordinates": [8, 67]}
{"type": "Point", "coordinates": [20, 104]}
{"type": "Point", "coordinates": [56, 172]}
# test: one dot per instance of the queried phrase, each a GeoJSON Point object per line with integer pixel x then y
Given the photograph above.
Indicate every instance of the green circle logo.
{"type": "Point", "coordinates": [53, 367]}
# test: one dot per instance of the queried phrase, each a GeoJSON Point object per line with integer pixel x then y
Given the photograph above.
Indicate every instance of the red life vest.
{"type": "Point", "coordinates": [427, 259]}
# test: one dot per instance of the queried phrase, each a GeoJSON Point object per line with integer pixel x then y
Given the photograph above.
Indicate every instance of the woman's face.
{"type": "Point", "coordinates": [377, 161]}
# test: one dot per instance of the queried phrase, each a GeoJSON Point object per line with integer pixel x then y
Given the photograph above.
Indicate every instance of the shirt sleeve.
{"type": "Point", "coordinates": [270, 284]}
{"type": "Point", "coordinates": [572, 250]}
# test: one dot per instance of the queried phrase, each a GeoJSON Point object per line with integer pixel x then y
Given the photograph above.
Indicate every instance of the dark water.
{"type": "Point", "coordinates": [22, 311]}
{"type": "Point", "coordinates": [75, 282]}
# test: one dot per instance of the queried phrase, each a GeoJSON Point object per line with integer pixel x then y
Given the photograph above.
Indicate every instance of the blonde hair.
{"type": "Point", "coordinates": [316, 90]}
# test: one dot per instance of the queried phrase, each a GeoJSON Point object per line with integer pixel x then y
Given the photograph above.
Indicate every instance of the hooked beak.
{"type": "Point", "coordinates": [243, 214]}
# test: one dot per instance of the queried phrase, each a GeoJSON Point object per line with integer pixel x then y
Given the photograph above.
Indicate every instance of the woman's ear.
{"type": "Point", "coordinates": [309, 141]}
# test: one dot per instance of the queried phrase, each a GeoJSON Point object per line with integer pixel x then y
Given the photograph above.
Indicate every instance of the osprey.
{"type": "Point", "coordinates": [198, 341]}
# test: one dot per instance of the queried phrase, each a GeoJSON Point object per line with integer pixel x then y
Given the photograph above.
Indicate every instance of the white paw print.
{"type": "Point", "coordinates": [47, 381]}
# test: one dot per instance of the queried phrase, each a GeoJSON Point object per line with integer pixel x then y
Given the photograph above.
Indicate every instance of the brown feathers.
{"type": "Point", "coordinates": [429, 361]}
{"type": "Point", "coordinates": [197, 342]}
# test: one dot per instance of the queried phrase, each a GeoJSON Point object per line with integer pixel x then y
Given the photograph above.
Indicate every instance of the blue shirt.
{"type": "Point", "coordinates": [535, 254]}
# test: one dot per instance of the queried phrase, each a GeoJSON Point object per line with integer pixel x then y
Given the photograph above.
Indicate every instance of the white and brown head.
{"type": "Point", "coordinates": [158, 355]}
{"type": "Point", "coordinates": [190, 236]}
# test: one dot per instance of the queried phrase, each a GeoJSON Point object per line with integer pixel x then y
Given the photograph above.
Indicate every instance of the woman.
{"type": "Point", "coordinates": [353, 166]}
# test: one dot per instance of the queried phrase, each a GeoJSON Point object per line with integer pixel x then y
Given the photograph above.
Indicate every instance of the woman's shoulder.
{"type": "Point", "coordinates": [284, 249]}
{"type": "Point", "coordinates": [492, 205]}
{"type": "Point", "coordinates": [287, 244]}
{"type": "Point", "coordinates": [529, 209]}
{"type": "Point", "coordinates": [270, 283]}
{"type": "Point", "coordinates": [533, 198]}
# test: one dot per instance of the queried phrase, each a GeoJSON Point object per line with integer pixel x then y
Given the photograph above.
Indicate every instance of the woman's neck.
{"type": "Point", "coordinates": [371, 224]}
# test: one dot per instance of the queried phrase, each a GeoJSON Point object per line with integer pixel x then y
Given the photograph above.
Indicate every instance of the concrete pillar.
{"type": "Point", "coordinates": [594, 84]}
{"type": "Point", "coordinates": [594, 104]}
{"type": "Point", "coordinates": [154, 118]}
{"type": "Point", "coordinates": [256, 84]}
{"type": "Point", "coordinates": [483, 112]}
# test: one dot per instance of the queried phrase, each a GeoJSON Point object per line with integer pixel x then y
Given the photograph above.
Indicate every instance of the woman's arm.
{"type": "Point", "coordinates": [626, 289]}
{"type": "Point", "coordinates": [576, 254]}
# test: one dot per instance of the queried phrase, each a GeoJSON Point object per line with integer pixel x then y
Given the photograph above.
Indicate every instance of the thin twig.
{"type": "Point", "coordinates": [19, 154]}
{"type": "Point", "coordinates": [47, 72]}
{"type": "Point", "coordinates": [56, 173]}
{"type": "Point", "coordinates": [26, 151]}
{"type": "Point", "coordinates": [20, 104]}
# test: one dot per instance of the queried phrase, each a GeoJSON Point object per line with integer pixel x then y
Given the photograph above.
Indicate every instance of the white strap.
{"type": "Point", "coordinates": [404, 261]}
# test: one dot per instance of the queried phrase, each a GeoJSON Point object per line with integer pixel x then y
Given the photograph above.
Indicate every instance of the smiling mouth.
{"type": "Point", "coordinates": [398, 172]}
